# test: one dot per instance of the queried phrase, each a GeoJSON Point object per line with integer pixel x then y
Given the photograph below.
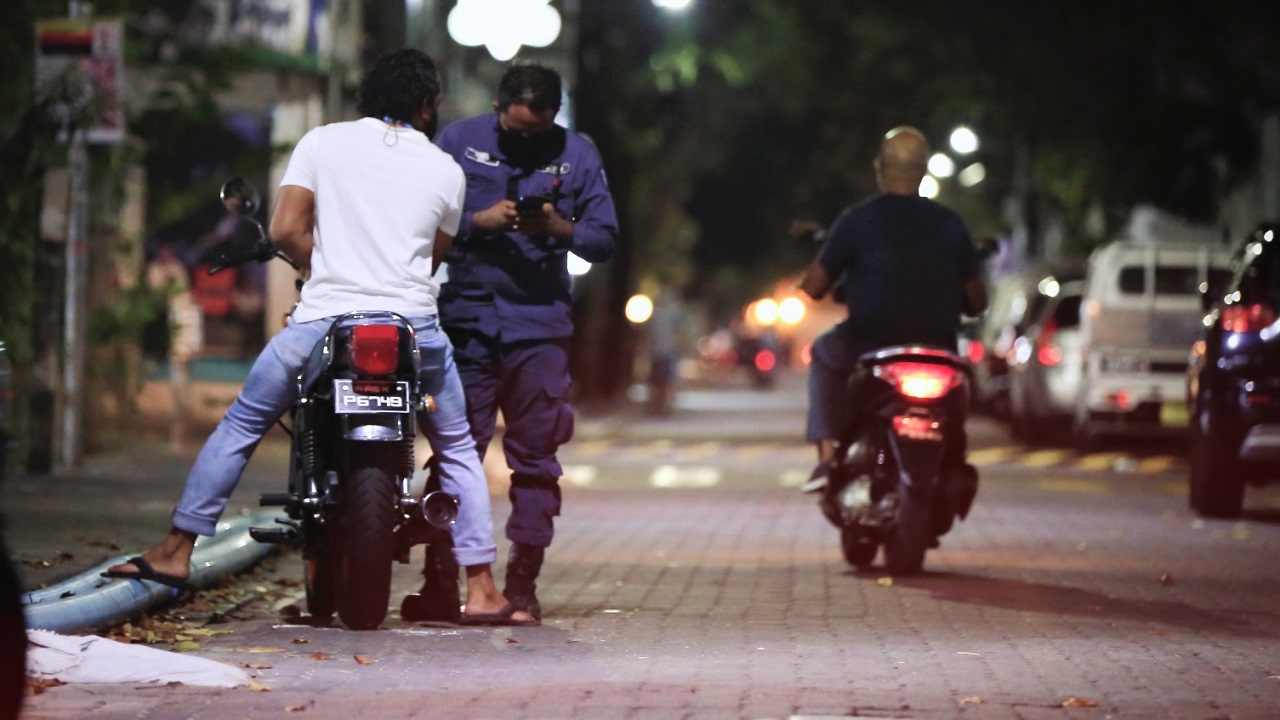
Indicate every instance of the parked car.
{"type": "Point", "coordinates": [1233, 383]}
{"type": "Point", "coordinates": [1015, 301]}
{"type": "Point", "coordinates": [1045, 365]}
{"type": "Point", "coordinates": [1142, 313]}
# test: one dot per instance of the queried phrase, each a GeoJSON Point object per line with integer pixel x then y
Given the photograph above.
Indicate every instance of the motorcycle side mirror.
{"type": "Point", "coordinates": [240, 197]}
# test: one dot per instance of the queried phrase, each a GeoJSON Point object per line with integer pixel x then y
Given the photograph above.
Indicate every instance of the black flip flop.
{"type": "Point", "coordinates": [147, 572]}
{"type": "Point", "coordinates": [501, 618]}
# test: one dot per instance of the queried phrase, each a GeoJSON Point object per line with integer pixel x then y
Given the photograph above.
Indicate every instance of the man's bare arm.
{"type": "Point", "coordinates": [293, 225]}
{"type": "Point", "coordinates": [816, 282]}
{"type": "Point", "coordinates": [975, 296]}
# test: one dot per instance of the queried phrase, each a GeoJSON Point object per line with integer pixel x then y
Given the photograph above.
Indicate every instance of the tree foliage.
{"type": "Point", "coordinates": [722, 124]}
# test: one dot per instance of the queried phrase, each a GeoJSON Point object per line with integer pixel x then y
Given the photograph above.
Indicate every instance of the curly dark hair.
{"type": "Point", "coordinates": [537, 86]}
{"type": "Point", "coordinates": [398, 84]}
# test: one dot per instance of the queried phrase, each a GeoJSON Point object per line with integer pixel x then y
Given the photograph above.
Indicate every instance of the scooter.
{"type": "Point", "coordinates": [349, 506]}
{"type": "Point", "coordinates": [900, 479]}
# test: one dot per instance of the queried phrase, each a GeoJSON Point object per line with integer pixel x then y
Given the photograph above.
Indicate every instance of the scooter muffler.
{"type": "Point", "coordinates": [439, 509]}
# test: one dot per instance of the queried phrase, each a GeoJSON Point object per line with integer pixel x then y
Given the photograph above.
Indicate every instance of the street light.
{"type": "Point", "coordinates": [929, 187]}
{"type": "Point", "coordinates": [502, 26]}
{"type": "Point", "coordinates": [941, 165]}
{"type": "Point", "coordinates": [964, 140]}
{"type": "Point", "coordinates": [675, 5]}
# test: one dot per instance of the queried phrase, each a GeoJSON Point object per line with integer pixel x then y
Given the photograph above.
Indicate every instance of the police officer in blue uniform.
{"type": "Point", "coordinates": [535, 192]}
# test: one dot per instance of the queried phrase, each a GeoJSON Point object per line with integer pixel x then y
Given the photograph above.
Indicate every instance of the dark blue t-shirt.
{"type": "Point", "coordinates": [904, 260]}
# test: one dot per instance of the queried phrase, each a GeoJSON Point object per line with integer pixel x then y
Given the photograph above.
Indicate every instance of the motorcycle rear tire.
{"type": "Point", "coordinates": [859, 546]}
{"type": "Point", "coordinates": [367, 518]}
{"type": "Point", "coordinates": [909, 540]}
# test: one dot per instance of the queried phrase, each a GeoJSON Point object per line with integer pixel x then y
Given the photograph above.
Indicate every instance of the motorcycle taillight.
{"type": "Point", "coordinates": [1246, 318]}
{"type": "Point", "coordinates": [375, 349]}
{"type": "Point", "coordinates": [922, 381]}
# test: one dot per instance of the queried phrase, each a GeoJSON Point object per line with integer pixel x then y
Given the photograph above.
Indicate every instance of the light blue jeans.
{"type": "Point", "coordinates": [271, 389]}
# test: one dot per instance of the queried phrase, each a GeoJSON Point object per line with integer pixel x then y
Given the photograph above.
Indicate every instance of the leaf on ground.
{"type": "Point", "coordinates": [255, 665]}
{"type": "Point", "coordinates": [288, 582]}
{"type": "Point", "coordinates": [971, 700]}
{"type": "Point", "coordinates": [301, 641]}
{"type": "Point", "coordinates": [1078, 703]}
{"type": "Point", "coordinates": [186, 646]}
{"type": "Point", "coordinates": [1165, 579]}
{"type": "Point", "coordinates": [255, 686]}
{"type": "Point", "coordinates": [318, 656]}
{"type": "Point", "coordinates": [295, 708]}
{"type": "Point", "coordinates": [512, 641]}
{"type": "Point", "coordinates": [258, 649]}
{"type": "Point", "coordinates": [36, 686]}
{"type": "Point", "coordinates": [885, 581]}
{"type": "Point", "coordinates": [362, 660]}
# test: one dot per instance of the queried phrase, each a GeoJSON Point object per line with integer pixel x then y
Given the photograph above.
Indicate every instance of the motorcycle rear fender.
{"type": "Point", "coordinates": [328, 358]}
{"type": "Point", "coordinates": [918, 462]}
{"type": "Point", "coordinates": [377, 427]}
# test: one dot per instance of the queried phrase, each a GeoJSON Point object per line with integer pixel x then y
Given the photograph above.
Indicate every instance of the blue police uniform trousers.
{"type": "Point", "coordinates": [528, 381]}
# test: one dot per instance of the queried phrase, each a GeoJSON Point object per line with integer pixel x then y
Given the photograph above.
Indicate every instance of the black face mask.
{"type": "Point", "coordinates": [531, 151]}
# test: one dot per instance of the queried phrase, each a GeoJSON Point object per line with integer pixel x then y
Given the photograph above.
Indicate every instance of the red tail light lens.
{"type": "Point", "coordinates": [976, 352]}
{"type": "Point", "coordinates": [375, 349]}
{"type": "Point", "coordinates": [1046, 352]}
{"type": "Point", "coordinates": [922, 381]}
{"type": "Point", "coordinates": [1247, 318]}
{"type": "Point", "coordinates": [766, 361]}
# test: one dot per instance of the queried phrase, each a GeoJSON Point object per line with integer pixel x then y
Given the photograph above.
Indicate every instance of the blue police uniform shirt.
{"type": "Point", "coordinates": [904, 259]}
{"type": "Point", "coordinates": [509, 285]}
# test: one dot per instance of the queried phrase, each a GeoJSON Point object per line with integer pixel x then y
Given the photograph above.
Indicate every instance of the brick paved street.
{"type": "Point", "coordinates": [1065, 586]}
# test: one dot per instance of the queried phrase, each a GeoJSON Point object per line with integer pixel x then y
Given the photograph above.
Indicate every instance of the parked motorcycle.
{"type": "Point", "coordinates": [349, 505]}
{"type": "Point", "coordinates": [900, 478]}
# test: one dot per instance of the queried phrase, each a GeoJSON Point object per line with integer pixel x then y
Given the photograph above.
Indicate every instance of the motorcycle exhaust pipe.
{"type": "Point", "coordinates": [439, 509]}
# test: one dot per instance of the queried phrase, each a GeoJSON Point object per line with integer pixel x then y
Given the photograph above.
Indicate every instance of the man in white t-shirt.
{"type": "Point", "coordinates": [368, 208]}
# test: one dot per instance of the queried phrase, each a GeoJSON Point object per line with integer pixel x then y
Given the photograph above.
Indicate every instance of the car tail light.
{"type": "Point", "coordinates": [375, 349]}
{"type": "Point", "coordinates": [1046, 352]}
{"type": "Point", "coordinates": [766, 361]}
{"type": "Point", "coordinates": [1247, 318]}
{"type": "Point", "coordinates": [922, 381]}
{"type": "Point", "coordinates": [976, 352]}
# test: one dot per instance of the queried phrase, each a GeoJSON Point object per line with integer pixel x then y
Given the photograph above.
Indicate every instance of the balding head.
{"type": "Point", "coordinates": [903, 159]}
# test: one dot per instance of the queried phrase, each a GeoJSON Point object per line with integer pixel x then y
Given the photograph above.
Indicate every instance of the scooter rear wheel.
{"type": "Point", "coordinates": [909, 540]}
{"type": "Point", "coordinates": [368, 520]}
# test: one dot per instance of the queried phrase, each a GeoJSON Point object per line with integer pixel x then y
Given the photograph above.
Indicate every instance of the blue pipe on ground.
{"type": "Point", "coordinates": [89, 601]}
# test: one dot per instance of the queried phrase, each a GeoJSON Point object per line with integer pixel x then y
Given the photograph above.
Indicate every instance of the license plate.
{"type": "Point", "coordinates": [347, 401]}
{"type": "Point", "coordinates": [1174, 414]}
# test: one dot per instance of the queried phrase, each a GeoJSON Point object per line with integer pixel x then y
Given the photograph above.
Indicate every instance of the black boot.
{"type": "Point", "coordinates": [523, 564]}
{"type": "Point", "coordinates": [439, 599]}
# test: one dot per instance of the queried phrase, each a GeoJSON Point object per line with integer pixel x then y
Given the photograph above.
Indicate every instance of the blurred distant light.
{"type": "Point", "coordinates": [941, 166]}
{"type": "Point", "coordinates": [929, 187]}
{"type": "Point", "coordinates": [765, 311]}
{"type": "Point", "coordinates": [972, 175]}
{"type": "Point", "coordinates": [578, 266]}
{"type": "Point", "coordinates": [963, 140]}
{"type": "Point", "coordinates": [673, 4]}
{"type": "Point", "coordinates": [1050, 287]}
{"type": "Point", "coordinates": [791, 311]}
{"type": "Point", "coordinates": [639, 309]}
{"type": "Point", "coordinates": [502, 26]}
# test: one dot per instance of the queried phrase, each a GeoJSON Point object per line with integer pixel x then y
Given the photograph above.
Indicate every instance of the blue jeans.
{"type": "Point", "coordinates": [271, 389]}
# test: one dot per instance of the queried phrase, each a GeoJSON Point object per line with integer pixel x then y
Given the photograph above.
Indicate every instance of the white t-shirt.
{"type": "Point", "coordinates": [381, 193]}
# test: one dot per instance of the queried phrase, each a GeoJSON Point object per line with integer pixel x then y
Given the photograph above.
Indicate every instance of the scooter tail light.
{"type": "Point", "coordinates": [375, 349]}
{"type": "Point", "coordinates": [1247, 318]}
{"type": "Point", "coordinates": [922, 381]}
{"type": "Point", "coordinates": [1047, 353]}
